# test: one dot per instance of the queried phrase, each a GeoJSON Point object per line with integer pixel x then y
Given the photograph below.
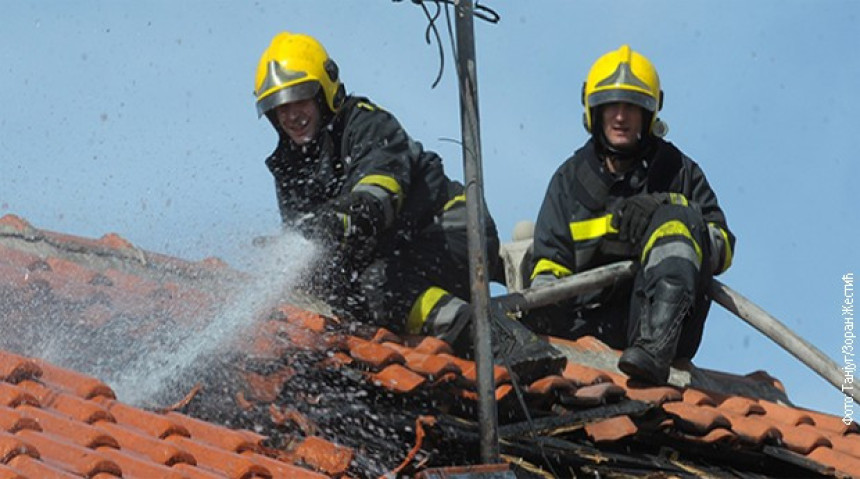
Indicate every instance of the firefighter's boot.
{"type": "Point", "coordinates": [524, 353]}
{"type": "Point", "coordinates": [651, 353]}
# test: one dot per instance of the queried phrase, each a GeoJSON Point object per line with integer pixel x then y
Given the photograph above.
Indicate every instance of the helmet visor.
{"type": "Point", "coordinates": [627, 96]}
{"type": "Point", "coordinates": [298, 92]}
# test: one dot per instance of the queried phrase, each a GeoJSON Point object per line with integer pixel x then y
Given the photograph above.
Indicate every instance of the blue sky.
{"type": "Point", "coordinates": [138, 118]}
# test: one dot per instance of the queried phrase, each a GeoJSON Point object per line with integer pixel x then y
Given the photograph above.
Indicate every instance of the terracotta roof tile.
{"type": "Point", "coordinates": [611, 429]}
{"type": "Point", "coordinates": [785, 415]}
{"type": "Point", "coordinates": [752, 429]}
{"type": "Point", "coordinates": [398, 378]}
{"type": "Point", "coordinates": [715, 436]}
{"type": "Point", "coordinates": [9, 473]}
{"type": "Point", "coordinates": [583, 375]}
{"type": "Point", "coordinates": [13, 396]}
{"type": "Point", "coordinates": [149, 423]}
{"type": "Point", "coordinates": [803, 439]}
{"type": "Point", "coordinates": [841, 462]}
{"type": "Point", "coordinates": [697, 420]}
{"type": "Point", "coordinates": [14, 368]}
{"type": "Point", "coordinates": [698, 398]}
{"type": "Point", "coordinates": [324, 456]}
{"type": "Point", "coordinates": [13, 421]}
{"type": "Point", "coordinates": [741, 406]}
{"type": "Point", "coordinates": [136, 466]}
{"type": "Point", "coordinates": [376, 355]}
{"type": "Point", "coordinates": [231, 440]}
{"type": "Point", "coordinates": [77, 432]}
{"type": "Point", "coordinates": [655, 395]}
{"type": "Point", "coordinates": [158, 451]}
{"type": "Point", "coordinates": [32, 467]}
{"type": "Point", "coordinates": [430, 365]}
{"type": "Point", "coordinates": [594, 395]}
{"type": "Point", "coordinates": [847, 444]}
{"type": "Point", "coordinates": [80, 385]}
{"type": "Point", "coordinates": [832, 423]}
{"type": "Point", "coordinates": [69, 457]}
{"type": "Point", "coordinates": [218, 460]}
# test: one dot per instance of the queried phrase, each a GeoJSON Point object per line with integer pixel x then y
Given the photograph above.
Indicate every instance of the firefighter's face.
{"type": "Point", "coordinates": [300, 119]}
{"type": "Point", "coordinates": [622, 124]}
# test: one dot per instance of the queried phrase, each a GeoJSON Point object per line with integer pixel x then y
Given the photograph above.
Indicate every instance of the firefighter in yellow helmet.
{"type": "Point", "coordinates": [629, 194]}
{"type": "Point", "coordinates": [348, 175]}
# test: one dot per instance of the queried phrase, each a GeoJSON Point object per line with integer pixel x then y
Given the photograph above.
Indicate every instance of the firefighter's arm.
{"type": "Point", "coordinates": [554, 254]}
{"type": "Point", "coordinates": [381, 156]}
{"type": "Point", "coordinates": [721, 238]}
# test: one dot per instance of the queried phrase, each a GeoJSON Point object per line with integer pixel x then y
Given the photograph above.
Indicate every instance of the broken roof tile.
{"type": "Point", "coordinates": [325, 456]}
{"type": "Point", "coordinates": [611, 429]}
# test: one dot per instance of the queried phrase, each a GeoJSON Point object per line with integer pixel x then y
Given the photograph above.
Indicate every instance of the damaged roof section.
{"type": "Point", "coordinates": [306, 395]}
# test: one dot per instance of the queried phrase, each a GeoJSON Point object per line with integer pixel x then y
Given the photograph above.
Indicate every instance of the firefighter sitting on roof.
{"type": "Point", "coordinates": [347, 174]}
{"type": "Point", "coordinates": [629, 194]}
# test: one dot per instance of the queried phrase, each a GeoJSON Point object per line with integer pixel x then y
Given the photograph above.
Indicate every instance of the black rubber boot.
{"type": "Point", "coordinates": [650, 356]}
{"type": "Point", "coordinates": [524, 353]}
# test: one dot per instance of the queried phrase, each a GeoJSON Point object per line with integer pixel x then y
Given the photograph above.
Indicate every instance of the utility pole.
{"type": "Point", "coordinates": [477, 238]}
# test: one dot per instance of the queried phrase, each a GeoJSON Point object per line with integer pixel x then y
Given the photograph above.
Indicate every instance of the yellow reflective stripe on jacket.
{"type": "Point", "coordinates": [366, 106]}
{"type": "Point", "coordinates": [450, 204]}
{"type": "Point", "coordinates": [729, 254]}
{"type": "Point", "coordinates": [385, 182]}
{"type": "Point", "coordinates": [671, 228]}
{"type": "Point", "coordinates": [548, 266]}
{"type": "Point", "coordinates": [678, 199]}
{"type": "Point", "coordinates": [591, 228]}
{"type": "Point", "coordinates": [422, 307]}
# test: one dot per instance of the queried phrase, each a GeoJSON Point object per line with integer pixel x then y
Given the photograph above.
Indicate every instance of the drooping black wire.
{"type": "Point", "coordinates": [482, 12]}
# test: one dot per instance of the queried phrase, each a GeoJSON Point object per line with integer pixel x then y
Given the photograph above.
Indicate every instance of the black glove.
{"type": "Point", "coordinates": [632, 215]}
{"type": "Point", "coordinates": [324, 225]}
{"type": "Point", "coordinates": [365, 217]}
